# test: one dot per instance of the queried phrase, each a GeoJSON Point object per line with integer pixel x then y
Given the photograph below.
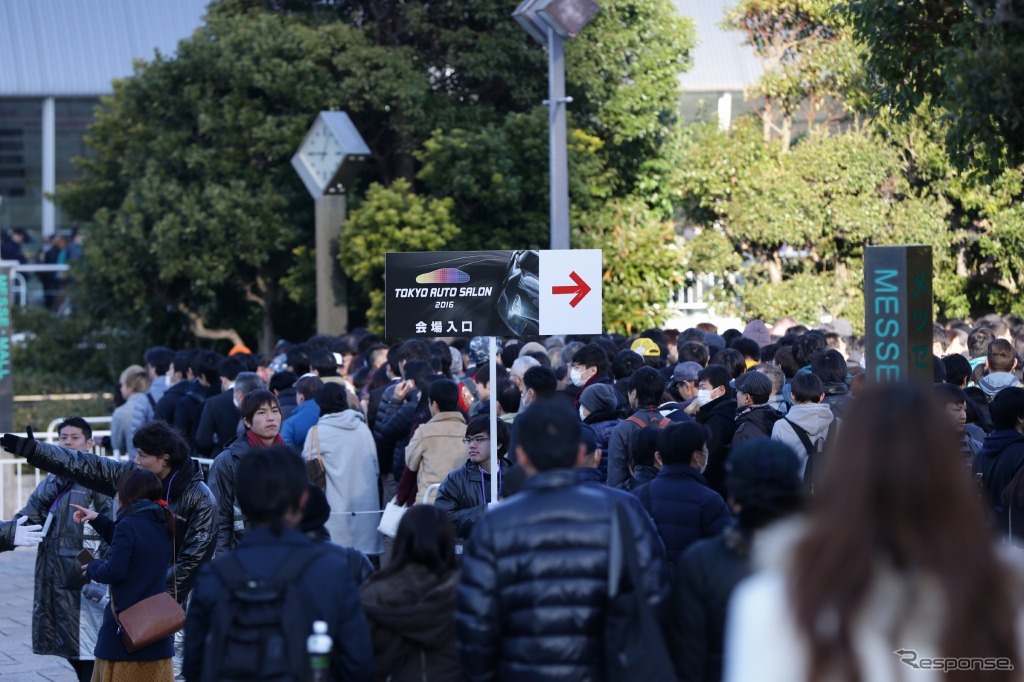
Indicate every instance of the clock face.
{"type": "Point", "coordinates": [321, 153]}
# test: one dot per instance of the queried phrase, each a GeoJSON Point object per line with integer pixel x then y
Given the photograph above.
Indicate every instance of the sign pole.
{"type": "Point", "coordinates": [493, 406]}
{"type": "Point", "coordinates": [7, 269]}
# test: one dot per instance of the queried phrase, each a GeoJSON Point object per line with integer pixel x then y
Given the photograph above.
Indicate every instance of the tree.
{"type": "Point", "coordinates": [966, 59]}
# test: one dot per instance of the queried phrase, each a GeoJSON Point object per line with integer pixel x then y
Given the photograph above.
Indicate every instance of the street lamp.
{"type": "Point", "coordinates": [551, 23]}
{"type": "Point", "coordinates": [328, 161]}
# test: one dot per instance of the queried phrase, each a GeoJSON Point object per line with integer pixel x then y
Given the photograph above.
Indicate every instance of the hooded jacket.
{"type": "Point", "coordinates": [63, 623]}
{"type": "Point", "coordinates": [464, 495]}
{"type": "Point", "coordinates": [349, 456]}
{"type": "Point", "coordinates": [436, 449]}
{"type": "Point", "coordinates": [412, 622]}
{"type": "Point", "coordinates": [195, 509]}
{"type": "Point", "coordinates": [997, 381]}
{"type": "Point", "coordinates": [124, 422]}
{"type": "Point", "coordinates": [814, 418]}
{"type": "Point", "coordinates": [140, 552]}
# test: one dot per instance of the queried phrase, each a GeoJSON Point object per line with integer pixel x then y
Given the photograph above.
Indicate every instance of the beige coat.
{"type": "Point", "coordinates": [436, 450]}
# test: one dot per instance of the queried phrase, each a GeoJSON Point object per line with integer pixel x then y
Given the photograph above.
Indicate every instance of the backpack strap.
{"type": "Point", "coordinates": [805, 438]}
{"type": "Point", "coordinates": [661, 422]}
{"type": "Point", "coordinates": [233, 572]}
{"type": "Point", "coordinates": [152, 402]}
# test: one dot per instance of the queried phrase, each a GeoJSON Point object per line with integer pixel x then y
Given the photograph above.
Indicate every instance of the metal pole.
{"type": "Point", "coordinates": [557, 140]}
{"type": "Point", "coordinates": [49, 222]}
{"type": "Point", "coordinates": [493, 404]}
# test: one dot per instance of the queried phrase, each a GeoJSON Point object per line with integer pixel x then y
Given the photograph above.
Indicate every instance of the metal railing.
{"type": "Point", "coordinates": [19, 285]}
{"type": "Point", "coordinates": [23, 487]}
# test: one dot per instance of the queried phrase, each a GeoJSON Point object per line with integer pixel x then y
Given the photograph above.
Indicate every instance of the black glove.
{"type": "Point", "coordinates": [16, 445]}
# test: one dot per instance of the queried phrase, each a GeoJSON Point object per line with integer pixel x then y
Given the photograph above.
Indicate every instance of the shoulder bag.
{"type": "Point", "coordinates": [315, 467]}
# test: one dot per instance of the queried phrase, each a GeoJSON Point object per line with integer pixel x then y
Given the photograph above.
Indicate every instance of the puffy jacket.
{"type": "Point", "coordinates": [464, 495]}
{"type": "Point", "coordinates": [705, 577]}
{"type": "Point", "coordinates": [7, 529]}
{"type": "Point", "coordinates": [814, 418]}
{"type": "Point", "coordinates": [295, 427]}
{"type": "Point", "coordinates": [187, 496]}
{"type": "Point", "coordinates": [1001, 456]}
{"type": "Point", "coordinates": [64, 624]}
{"type": "Point", "coordinates": [123, 424]}
{"type": "Point", "coordinates": [683, 506]}
{"type": "Point", "coordinates": [755, 421]}
{"type": "Point", "coordinates": [135, 569]}
{"type": "Point", "coordinates": [411, 616]}
{"type": "Point", "coordinates": [603, 424]}
{"type": "Point", "coordinates": [349, 458]}
{"type": "Point", "coordinates": [436, 449]}
{"type": "Point", "coordinates": [643, 475]}
{"type": "Point", "coordinates": [719, 416]}
{"type": "Point", "coordinates": [517, 618]}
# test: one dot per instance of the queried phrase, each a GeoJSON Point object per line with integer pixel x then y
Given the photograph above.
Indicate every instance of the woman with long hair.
{"type": "Point", "coordinates": [141, 548]}
{"type": "Point", "coordinates": [410, 604]}
{"type": "Point", "coordinates": [894, 575]}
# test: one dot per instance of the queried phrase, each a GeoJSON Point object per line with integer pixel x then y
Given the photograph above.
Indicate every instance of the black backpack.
{"type": "Point", "coordinates": [259, 627]}
{"type": "Point", "coordinates": [814, 450]}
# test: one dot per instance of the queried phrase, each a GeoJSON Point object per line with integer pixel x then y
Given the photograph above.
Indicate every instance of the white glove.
{"type": "Point", "coordinates": [26, 536]}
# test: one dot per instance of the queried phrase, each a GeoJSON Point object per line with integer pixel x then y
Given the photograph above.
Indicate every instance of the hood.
{"type": "Point", "coordinates": [598, 417]}
{"type": "Point", "coordinates": [178, 481]}
{"type": "Point", "coordinates": [348, 420]}
{"type": "Point", "coordinates": [997, 381]}
{"type": "Point", "coordinates": [415, 603]}
{"type": "Point", "coordinates": [997, 441]}
{"type": "Point", "coordinates": [814, 418]}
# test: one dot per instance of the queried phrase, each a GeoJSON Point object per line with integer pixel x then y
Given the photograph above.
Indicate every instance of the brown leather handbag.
{"type": "Point", "coordinates": [315, 467]}
{"type": "Point", "coordinates": [152, 619]}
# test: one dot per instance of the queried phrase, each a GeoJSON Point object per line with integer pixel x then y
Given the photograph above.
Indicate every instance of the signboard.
{"type": "Point", "coordinates": [6, 375]}
{"type": "Point", "coordinates": [898, 313]}
{"type": "Point", "coordinates": [492, 293]}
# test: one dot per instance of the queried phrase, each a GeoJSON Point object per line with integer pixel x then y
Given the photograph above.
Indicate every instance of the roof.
{"type": "Point", "coordinates": [721, 62]}
{"type": "Point", "coordinates": [75, 48]}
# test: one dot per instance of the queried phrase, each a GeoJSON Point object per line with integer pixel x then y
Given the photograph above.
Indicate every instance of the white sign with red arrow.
{"type": "Point", "coordinates": [570, 292]}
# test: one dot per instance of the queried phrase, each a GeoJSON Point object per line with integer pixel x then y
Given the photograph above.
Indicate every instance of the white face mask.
{"type": "Point", "coordinates": [703, 397]}
{"type": "Point", "coordinates": [525, 399]}
{"type": "Point", "coordinates": [576, 377]}
{"type": "Point", "coordinates": [583, 415]}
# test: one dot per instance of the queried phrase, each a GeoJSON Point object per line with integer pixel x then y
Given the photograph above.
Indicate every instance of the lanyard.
{"type": "Point", "coordinates": [483, 484]}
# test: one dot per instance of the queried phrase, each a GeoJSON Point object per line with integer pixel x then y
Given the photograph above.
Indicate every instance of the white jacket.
{"type": "Point", "coordinates": [902, 612]}
{"type": "Point", "coordinates": [350, 463]}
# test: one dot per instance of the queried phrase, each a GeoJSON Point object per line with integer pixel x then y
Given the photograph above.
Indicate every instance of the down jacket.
{"type": "Point", "coordinates": [194, 508]}
{"type": "Point", "coordinates": [7, 529]}
{"type": "Point", "coordinates": [63, 623]}
{"type": "Point", "coordinates": [683, 507]}
{"type": "Point", "coordinates": [533, 596]}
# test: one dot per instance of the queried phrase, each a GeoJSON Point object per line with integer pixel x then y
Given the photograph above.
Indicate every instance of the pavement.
{"type": "Point", "coordinates": [17, 662]}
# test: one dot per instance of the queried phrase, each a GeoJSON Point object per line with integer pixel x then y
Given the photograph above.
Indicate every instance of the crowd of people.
{"type": "Point", "coordinates": [765, 513]}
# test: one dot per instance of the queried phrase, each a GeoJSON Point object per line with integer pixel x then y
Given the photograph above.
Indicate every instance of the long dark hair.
{"type": "Point", "coordinates": [895, 487]}
{"type": "Point", "coordinates": [139, 484]}
{"type": "Point", "coordinates": [426, 537]}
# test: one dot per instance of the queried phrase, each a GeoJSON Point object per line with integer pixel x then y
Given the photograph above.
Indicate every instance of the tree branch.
{"type": "Point", "coordinates": [200, 329]}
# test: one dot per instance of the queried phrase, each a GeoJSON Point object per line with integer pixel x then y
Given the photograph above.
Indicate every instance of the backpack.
{"type": "Point", "coordinates": [259, 625]}
{"type": "Point", "coordinates": [814, 450]}
{"type": "Point", "coordinates": [655, 419]}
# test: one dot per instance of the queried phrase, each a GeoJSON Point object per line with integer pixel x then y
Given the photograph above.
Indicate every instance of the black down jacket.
{"type": "Point", "coordinates": [533, 596]}
{"type": "Point", "coordinates": [63, 624]}
{"type": "Point", "coordinates": [464, 495]}
{"type": "Point", "coordinates": [194, 507]}
{"type": "Point", "coordinates": [7, 529]}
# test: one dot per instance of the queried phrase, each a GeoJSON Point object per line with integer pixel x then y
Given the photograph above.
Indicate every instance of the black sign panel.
{"type": "Point", "coordinates": [462, 293]}
{"type": "Point", "coordinates": [6, 368]}
{"type": "Point", "coordinates": [898, 313]}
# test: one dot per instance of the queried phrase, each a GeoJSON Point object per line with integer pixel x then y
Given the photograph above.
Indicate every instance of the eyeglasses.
{"type": "Point", "coordinates": [478, 440]}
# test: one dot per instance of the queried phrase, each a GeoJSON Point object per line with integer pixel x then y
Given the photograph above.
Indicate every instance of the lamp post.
{"type": "Point", "coordinates": [328, 161]}
{"type": "Point", "coordinates": [551, 23]}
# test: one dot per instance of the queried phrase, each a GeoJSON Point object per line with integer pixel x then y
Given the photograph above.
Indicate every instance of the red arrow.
{"type": "Point", "coordinates": [581, 289]}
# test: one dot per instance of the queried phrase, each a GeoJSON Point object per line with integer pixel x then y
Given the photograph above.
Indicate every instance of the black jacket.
{"type": "Point", "coordinates": [190, 408]}
{"type": "Point", "coordinates": [1001, 456]}
{"type": "Point", "coordinates": [397, 432]}
{"type": "Point", "coordinates": [464, 495]}
{"type": "Point", "coordinates": [286, 398]}
{"type": "Point", "coordinates": [218, 424]}
{"type": "Point", "coordinates": [168, 402]}
{"type": "Point", "coordinates": [230, 522]}
{"type": "Point", "coordinates": [533, 596]}
{"type": "Point", "coordinates": [705, 577]}
{"type": "Point", "coordinates": [720, 417]}
{"type": "Point", "coordinates": [755, 421]}
{"type": "Point", "coordinates": [327, 586]}
{"type": "Point", "coordinates": [195, 510]}
{"type": "Point", "coordinates": [838, 398]}
{"type": "Point", "coordinates": [59, 627]}
{"type": "Point", "coordinates": [644, 474]}
{"type": "Point", "coordinates": [7, 529]}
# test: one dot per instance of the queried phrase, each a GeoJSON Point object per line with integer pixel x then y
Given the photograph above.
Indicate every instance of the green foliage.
{"type": "Point", "coordinates": [966, 59]}
{"type": "Point", "coordinates": [805, 297]}
{"type": "Point", "coordinates": [391, 219]}
{"type": "Point", "coordinates": [641, 263]}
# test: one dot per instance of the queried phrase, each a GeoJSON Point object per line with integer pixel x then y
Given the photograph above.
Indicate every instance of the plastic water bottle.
{"type": "Point", "coordinates": [318, 646]}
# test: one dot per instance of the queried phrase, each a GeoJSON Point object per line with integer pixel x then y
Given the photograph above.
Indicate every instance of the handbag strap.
{"type": "Point", "coordinates": [316, 443]}
{"type": "Point", "coordinates": [174, 579]}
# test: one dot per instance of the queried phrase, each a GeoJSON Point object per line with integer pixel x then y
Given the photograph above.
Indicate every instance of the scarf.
{"type": "Point", "coordinates": [255, 441]}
